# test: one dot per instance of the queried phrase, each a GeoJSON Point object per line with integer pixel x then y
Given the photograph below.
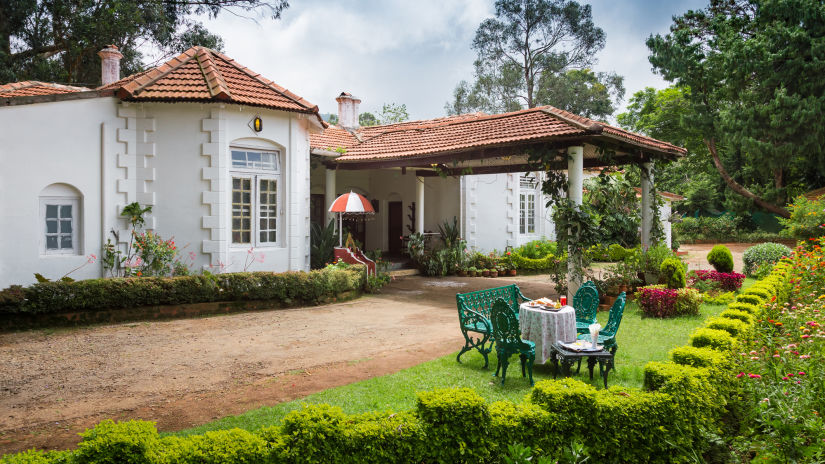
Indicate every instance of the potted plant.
{"type": "Point", "coordinates": [493, 272]}
{"type": "Point", "coordinates": [472, 271]}
{"type": "Point", "coordinates": [485, 272]}
{"type": "Point", "coordinates": [512, 269]}
{"type": "Point", "coordinates": [462, 272]}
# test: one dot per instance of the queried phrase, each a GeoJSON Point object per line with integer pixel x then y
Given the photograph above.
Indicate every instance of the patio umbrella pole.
{"type": "Point", "coordinates": [340, 227]}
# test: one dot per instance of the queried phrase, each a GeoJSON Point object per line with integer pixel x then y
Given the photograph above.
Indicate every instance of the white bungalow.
{"type": "Point", "coordinates": [181, 137]}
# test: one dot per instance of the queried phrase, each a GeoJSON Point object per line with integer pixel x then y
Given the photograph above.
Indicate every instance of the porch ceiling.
{"type": "Point", "coordinates": [485, 143]}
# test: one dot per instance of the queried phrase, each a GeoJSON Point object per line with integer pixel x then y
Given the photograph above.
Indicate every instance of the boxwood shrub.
{"type": "Point", "coordinates": [764, 253]}
{"type": "Point", "coordinates": [743, 316]}
{"type": "Point", "coordinates": [721, 258]}
{"type": "Point", "coordinates": [290, 288]}
{"type": "Point", "coordinates": [713, 338]}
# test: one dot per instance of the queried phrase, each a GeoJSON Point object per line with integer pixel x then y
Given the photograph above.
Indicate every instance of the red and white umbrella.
{"type": "Point", "coordinates": [349, 203]}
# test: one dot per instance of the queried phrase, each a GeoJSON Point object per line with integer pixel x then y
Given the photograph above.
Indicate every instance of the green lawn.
{"type": "Point", "coordinates": [640, 341]}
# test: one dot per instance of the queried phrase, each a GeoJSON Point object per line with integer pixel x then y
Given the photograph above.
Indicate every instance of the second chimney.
{"type": "Point", "coordinates": [348, 110]}
{"type": "Point", "coordinates": [109, 64]}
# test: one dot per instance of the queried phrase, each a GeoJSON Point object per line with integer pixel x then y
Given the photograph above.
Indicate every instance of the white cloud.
{"type": "Point", "coordinates": [411, 52]}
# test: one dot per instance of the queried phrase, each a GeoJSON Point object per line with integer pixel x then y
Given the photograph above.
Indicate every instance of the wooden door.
{"type": "Point", "coordinates": [395, 220]}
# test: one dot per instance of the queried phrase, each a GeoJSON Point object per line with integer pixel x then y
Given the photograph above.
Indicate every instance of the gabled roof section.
{"type": "Point", "coordinates": [32, 88]}
{"type": "Point", "coordinates": [474, 131]}
{"type": "Point", "coordinates": [204, 75]}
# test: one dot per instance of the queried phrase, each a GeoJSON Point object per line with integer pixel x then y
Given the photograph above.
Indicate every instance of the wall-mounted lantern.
{"type": "Point", "coordinates": [256, 124]}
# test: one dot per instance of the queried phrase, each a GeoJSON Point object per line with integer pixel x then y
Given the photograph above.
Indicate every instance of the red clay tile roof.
{"type": "Point", "coordinates": [30, 88]}
{"type": "Point", "coordinates": [201, 74]}
{"type": "Point", "coordinates": [469, 131]}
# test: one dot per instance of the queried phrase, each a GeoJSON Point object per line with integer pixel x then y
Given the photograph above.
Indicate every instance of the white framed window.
{"type": "Point", "coordinates": [59, 217]}
{"type": "Point", "coordinates": [527, 204]}
{"type": "Point", "coordinates": [255, 195]}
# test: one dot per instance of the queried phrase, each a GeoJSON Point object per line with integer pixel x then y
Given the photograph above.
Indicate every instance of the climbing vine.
{"type": "Point", "coordinates": [577, 228]}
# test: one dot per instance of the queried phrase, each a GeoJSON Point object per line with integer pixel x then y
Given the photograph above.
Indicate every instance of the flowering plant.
{"type": "Point", "coordinates": [658, 301]}
{"type": "Point", "coordinates": [727, 281]}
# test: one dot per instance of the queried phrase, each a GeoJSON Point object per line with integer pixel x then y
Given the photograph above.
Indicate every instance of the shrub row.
{"type": "Point", "coordinates": [673, 419]}
{"type": "Point", "coordinates": [102, 294]}
{"type": "Point", "coordinates": [544, 264]}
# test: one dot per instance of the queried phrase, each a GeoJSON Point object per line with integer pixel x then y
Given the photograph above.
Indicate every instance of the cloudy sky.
{"type": "Point", "coordinates": [413, 52]}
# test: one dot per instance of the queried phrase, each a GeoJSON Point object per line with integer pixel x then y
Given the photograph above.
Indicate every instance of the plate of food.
{"type": "Point", "coordinates": [581, 345]}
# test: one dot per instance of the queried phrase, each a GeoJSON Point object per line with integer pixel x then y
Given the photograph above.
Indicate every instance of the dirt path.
{"type": "Point", "coordinates": [56, 383]}
{"type": "Point", "coordinates": [697, 257]}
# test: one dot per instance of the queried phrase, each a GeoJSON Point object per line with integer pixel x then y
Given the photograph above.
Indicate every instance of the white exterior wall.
{"type": "Point", "coordinates": [664, 218]}
{"type": "Point", "coordinates": [40, 145]}
{"type": "Point", "coordinates": [173, 156]}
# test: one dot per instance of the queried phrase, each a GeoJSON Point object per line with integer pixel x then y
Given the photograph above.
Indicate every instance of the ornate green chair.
{"type": "Point", "coordinates": [474, 316]}
{"type": "Point", "coordinates": [607, 336]}
{"type": "Point", "coordinates": [507, 335]}
{"type": "Point", "coordinates": [586, 304]}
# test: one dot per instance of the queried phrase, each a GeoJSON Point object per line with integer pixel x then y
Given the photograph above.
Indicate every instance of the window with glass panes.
{"type": "Point", "coordinates": [60, 225]}
{"type": "Point", "coordinates": [527, 205]}
{"type": "Point", "coordinates": [255, 212]}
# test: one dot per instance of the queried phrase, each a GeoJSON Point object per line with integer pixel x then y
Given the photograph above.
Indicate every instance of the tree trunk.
{"type": "Point", "coordinates": [736, 187]}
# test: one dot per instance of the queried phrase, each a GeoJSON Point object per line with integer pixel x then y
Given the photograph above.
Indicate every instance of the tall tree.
{"type": "Point", "coordinates": [58, 40]}
{"type": "Point", "coordinates": [524, 41]}
{"type": "Point", "coordinates": [665, 115]}
{"type": "Point", "coordinates": [392, 113]}
{"type": "Point", "coordinates": [749, 65]}
{"type": "Point", "coordinates": [582, 92]}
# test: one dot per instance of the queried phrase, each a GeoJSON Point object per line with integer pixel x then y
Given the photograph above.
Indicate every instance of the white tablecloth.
{"type": "Point", "coordinates": [547, 327]}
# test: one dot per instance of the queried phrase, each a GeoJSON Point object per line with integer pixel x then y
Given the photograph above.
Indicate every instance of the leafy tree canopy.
{"type": "Point", "coordinates": [524, 50]}
{"type": "Point", "coordinates": [393, 113]}
{"type": "Point", "coordinates": [582, 92]}
{"type": "Point", "coordinates": [749, 64]}
{"type": "Point", "coordinates": [58, 40]}
{"type": "Point", "coordinates": [367, 119]}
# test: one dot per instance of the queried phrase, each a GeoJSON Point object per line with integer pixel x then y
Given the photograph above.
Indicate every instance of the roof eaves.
{"type": "Point", "coordinates": [213, 77]}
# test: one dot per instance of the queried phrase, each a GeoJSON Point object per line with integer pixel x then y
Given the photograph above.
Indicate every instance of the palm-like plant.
{"type": "Point", "coordinates": [322, 244]}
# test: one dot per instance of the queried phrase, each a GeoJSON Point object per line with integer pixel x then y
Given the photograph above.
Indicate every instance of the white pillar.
{"type": "Point", "coordinates": [419, 205]}
{"type": "Point", "coordinates": [329, 193]}
{"type": "Point", "coordinates": [575, 179]}
{"type": "Point", "coordinates": [647, 204]}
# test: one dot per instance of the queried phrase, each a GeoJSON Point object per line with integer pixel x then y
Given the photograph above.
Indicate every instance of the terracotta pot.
{"type": "Point", "coordinates": [512, 272]}
{"type": "Point", "coordinates": [462, 273]}
{"type": "Point", "coordinates": [609, 300]}
{"type": "Point", "coordinates": [485, 273]}
{"type": "Point", "coordinates": [493, 273]}
{"type": "Point", "coordinates": [471, 273]}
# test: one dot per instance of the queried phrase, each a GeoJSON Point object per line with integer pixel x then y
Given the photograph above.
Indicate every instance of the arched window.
{"type": "Point", "coordinates": [60, 220]}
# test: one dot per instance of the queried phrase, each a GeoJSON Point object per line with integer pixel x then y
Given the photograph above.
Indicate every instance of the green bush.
{"type": "Point", "coordinates": [290, 288]}
{"type": "Point", "coordinates": [673, 273]}
{"type": "Point", "coordinates": [455, 422]}
{"type": "Point", "coordinates": [544, 264]}
{"type": "Point", "coordinates": [38, 457]}
{"type": "Point", "coordinates": [755, 300]}
{"type": "Point", "coordinates": [537, 249]}
{"type": "Point", "coordinates": [233, 446]}
{"type": "Point", "coordinates": [746, 307]}
{"type": "Point", "coordinates": [734, 327]}
{"type": "Point", "coordinates": [712, 338]}
{"type": "Point", "coordinates": [699, 357]}
{"type": "Point", "coordinates": [764, 254]}
{"type": "Point", "coordinates": [616, 252]}
{"type": "Point", "coordinates": [721, 258]}
{"type": "Point", "coordinates": [123, 442]}
{"type": "Point", "coordinates": [743, 316]}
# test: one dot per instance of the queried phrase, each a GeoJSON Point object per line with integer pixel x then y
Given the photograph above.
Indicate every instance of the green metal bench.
{"type": "Point", "coordinates": [474, 316]}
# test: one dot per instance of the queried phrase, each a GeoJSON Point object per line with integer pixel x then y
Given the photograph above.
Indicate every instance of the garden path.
{"type": "Point", "coordinates": [697, 257]}
{"type": "Point", "coordinates": [55, 383]}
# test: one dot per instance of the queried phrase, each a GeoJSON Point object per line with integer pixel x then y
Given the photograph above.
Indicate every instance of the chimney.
{"type": "Point", "coordinates": [348, 110]}
{"type": "Point", "coordinates": [109, 64]}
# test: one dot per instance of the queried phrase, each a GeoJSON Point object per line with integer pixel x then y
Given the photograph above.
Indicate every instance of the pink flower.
{"type": "Point", "coordinates": [739, 376]}
{"type": "Point", "coordinates": [805, 356]}
{"type": "Point", "coordinates": [785, 378]}
{"type": "Point", "coordinates": [776, 356]}
{"type": "Point", "coordinates": [801, 373]}
{"type": "Point", "coordinates": [755, 376]}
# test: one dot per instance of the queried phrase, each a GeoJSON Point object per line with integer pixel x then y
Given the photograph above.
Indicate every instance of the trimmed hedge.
{"type": "Point", "coordinates": [523, 263]}
{"type": "Point", "coordinates": [673, 419]}
{"type": "Point", "coordinates": [291, 288]}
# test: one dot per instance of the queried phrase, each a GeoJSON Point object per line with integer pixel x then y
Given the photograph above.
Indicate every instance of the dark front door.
{"type": "Point", "coordinates": [317, 212]}
{"type": "Point", "coordinates": [395, 218]}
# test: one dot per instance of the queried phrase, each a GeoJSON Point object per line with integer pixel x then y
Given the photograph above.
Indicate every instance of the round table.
{"type": "Point", "coordinates": [545, 327]}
